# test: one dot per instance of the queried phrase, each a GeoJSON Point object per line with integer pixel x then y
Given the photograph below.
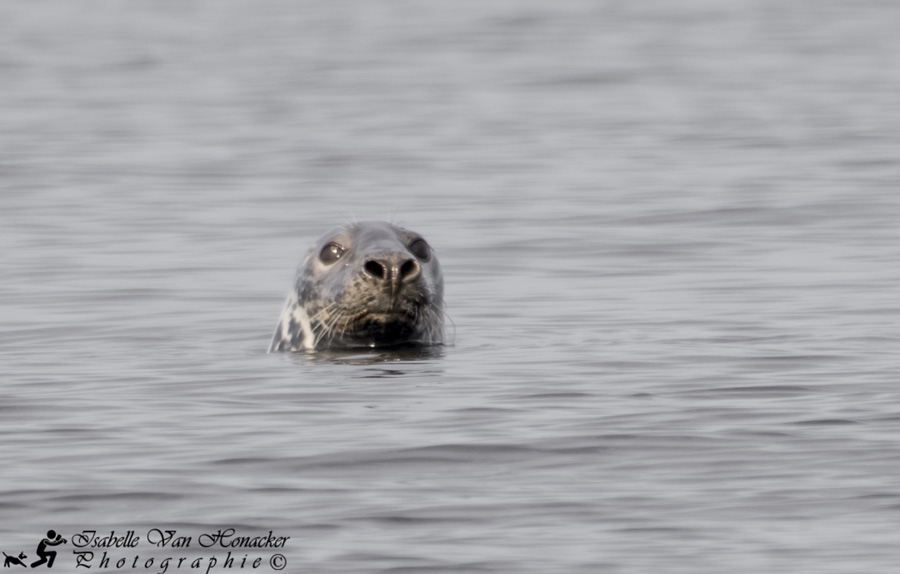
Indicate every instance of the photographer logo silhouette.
{"type": "Point", "coordinates": [48, 556]}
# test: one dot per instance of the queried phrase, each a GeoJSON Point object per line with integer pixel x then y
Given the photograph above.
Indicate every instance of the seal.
{"type": "Point", "coordinates": [366, 284]}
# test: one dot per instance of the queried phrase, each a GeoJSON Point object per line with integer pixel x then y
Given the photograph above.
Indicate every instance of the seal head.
{"type": "Point", "coordinates": [367, 284]}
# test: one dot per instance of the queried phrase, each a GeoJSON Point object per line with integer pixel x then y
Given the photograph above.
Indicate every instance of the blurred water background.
{"type": "Point", "coordinates": [670, 233]}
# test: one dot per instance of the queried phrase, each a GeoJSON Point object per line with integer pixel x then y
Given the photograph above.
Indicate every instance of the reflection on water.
{"type": "Point", "coordinates": [669, 238]}
{"type": "Point", "coordinates": [358, 357]}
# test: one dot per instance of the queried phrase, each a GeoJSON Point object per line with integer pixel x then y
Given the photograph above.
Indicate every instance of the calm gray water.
{"type": "Point", "coordinates": [670, 234]}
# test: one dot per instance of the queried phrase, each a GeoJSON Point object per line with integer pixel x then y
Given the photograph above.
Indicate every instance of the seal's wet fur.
{"type": "Point", "coordinates": [367, 284]}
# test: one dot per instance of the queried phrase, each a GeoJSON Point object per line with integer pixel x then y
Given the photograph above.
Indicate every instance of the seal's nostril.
{"type": "Point", "coordinates": [375, 269]}
{"type": "Point", "coordinates": [409, 270]}
{"type": "Point", "coordinates": [394, 268]}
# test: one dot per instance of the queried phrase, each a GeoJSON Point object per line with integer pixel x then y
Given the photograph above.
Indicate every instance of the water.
{"type": "Point", "coordinates": [670, 239]}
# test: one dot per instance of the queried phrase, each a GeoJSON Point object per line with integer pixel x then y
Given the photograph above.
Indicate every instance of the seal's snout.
{"type": "Point", "coordinates": [392, 267]}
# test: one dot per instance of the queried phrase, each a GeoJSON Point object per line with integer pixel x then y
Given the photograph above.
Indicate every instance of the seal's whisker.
{"type": "Point", "coordinates": [332, 326]}
{"type": "Point", "coordinates": [347, 320]}
{"type": "Point", "coordinates": [324, 311]}
{"type": "Point", "coordinates": [332, 323]}
{"type": "Point", "coordinates": [327, 319]}
{"type": "Point", "coordinates": [437, 325]}
{"type": "Point", "coordinates": [329, 326]}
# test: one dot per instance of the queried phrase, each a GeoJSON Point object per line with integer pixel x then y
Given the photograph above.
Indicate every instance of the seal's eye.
{"type": "Point", "coordinates": [420, 249]}
{"type": "Point", "coordinates": [331, 253]}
